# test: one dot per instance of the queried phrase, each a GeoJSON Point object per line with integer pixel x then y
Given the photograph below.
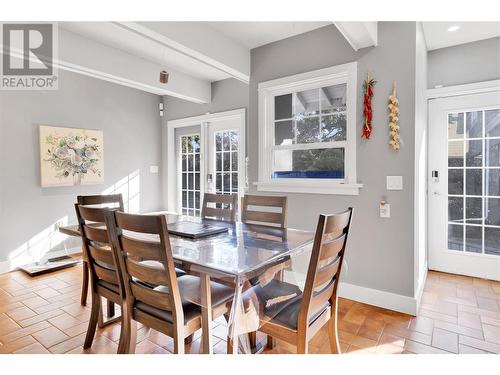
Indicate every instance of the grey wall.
{"type": "Point", "coordinates": [227, 94]}
{"type": "Point", "coordinates": [465, 63]}
{"type": "Point", "coordinates": [377, 246]}
{"type": "Point", "coordinates": [131, 125]}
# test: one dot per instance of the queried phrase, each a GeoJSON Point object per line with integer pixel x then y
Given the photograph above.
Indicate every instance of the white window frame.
{"type": "Point", "coordinates": [345, 73]}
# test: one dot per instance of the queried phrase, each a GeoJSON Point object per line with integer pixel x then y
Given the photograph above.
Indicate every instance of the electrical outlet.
{"type": "Point", "coordinates": [153, 169]}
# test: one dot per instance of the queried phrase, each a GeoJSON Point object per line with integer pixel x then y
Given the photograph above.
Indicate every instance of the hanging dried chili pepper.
{"type": "Point", "coordinates": [367, 108]}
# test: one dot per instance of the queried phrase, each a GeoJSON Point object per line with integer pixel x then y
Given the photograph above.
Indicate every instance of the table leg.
{"type": "Point", "coordinates": [233, 348]}
{"type": "Point", "coordinates": [206, 313]}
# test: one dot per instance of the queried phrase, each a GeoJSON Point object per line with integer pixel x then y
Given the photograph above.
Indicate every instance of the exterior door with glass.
{"type": "Point", "coordinates": [464, 185]}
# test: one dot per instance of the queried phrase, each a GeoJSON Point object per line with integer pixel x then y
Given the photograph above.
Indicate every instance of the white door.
{"type": "Point", "coordinates": [464, 185]}
{"type": "Point", "coordinates": [190, 178]}
{"type": "Point", "coordinates": [226, 156]}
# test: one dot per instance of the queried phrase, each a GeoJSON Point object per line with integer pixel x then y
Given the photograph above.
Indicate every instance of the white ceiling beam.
{"type": "Point", "coordinates": [198, 41]}
{"type": "Point", "coordinates": [85, 56]}
{"type": "Point", "coordinates": [359, 34]}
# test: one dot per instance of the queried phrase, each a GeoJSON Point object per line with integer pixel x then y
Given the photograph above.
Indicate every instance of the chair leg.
{"type": "Point", "coordinates": [271, 342]}
{"type": "Point", "coordinates": [178, 345]}
{"type": "Point", "coordinates": [229, 345]}
{"type": "Point", "coordinates": [95, 314]}
{"type": "Point", "coordinates": [110, 309]}
{"type": "Point", "coordinates": [128, 334]}
{"type": "Point", "coordinates": [85, 283]}
{"type": "Point", "coordinates": [302, 345]}
{"type": "Point", "coordinates": [252, 339]}
{"type": "Point", "coordinates": [333, 336]}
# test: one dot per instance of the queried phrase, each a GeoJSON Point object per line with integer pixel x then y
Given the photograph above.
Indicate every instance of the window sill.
{"type": "Point", "coordinates": [309, 187]}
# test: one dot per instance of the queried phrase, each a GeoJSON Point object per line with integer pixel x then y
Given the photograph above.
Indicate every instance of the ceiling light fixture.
{"type": "Point", "coordinates": [163, 76]}
{"type": "Point", "coordinates": [453, 28]}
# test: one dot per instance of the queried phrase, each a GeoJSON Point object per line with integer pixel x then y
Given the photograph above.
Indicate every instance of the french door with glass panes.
{"type": "Point", "coordinates": [464, 185]}
{"type": "Point", "coordinates": [226, 156]}
{"type": "Point", "coordinates": [190, 174]}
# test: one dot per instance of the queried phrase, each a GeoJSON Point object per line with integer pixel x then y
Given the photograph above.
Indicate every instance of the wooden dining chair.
{"type": "Point", "coordinates": [220, 207]}
{"type": "Point", "coordinates": [154, 296]}
{"type": "Point", "coordinates": [301, 317]}
{"type": "Point", "coordinates": [114, 201]}
{"type": "Point", "coordinates": [272, 212]}
{"type": "Point", "coordinates": [103, 276]}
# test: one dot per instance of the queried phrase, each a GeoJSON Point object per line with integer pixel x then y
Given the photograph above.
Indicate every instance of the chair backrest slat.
{"type": "Point", "coordinates": [150, 296]}
{"type": "Point", "coordinates": [145, 237]}
{"type": "Point", "coordinates": [145, 273]}
{"type": "Point", "coordinates": [96, 244]}
{"type": "Point", "coordinates": [92, 200]}
{"type": "Point", "coordinates": [263, 217]}
{"type": "Point", "coordinates": [224, 207]}
{"type": "Point", "coordinates": [325, 264]}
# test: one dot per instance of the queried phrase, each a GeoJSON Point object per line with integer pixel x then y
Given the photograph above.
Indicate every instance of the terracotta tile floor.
{"type": "Point", "coordinates": [458, 315]}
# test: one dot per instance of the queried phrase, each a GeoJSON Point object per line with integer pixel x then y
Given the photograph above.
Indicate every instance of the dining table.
{"type": "Point", "coordinates": [244, 255]}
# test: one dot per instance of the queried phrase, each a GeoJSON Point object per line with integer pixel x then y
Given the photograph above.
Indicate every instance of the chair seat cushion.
{"type": "Point", "coordinates": [189, 289]}
{"type": "Point", "coordinates": [281, 302]}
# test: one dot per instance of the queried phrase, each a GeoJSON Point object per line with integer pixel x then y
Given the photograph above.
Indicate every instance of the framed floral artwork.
{"type": "Point", "coordinates": [70, 156]}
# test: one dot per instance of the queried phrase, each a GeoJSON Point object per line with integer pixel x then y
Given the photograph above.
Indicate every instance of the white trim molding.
{"type": "Point", "coordinates": [467, 89]}
{"type": "Point", "coordinates": [340, 74]}
{"type": "Point", "coordinates": [359, 34]}
{"type": "Point", "coordinates": [380, 298]}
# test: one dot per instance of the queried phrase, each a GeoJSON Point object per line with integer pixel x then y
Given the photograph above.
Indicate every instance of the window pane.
{"type": "Point", "coordinates": [234, 140]}
{"type": "Point", "coordinates": [492, 211]}
{"type": "Point", "coordinates": [456, 181]}
{"type": "Point", "coordinates": [218, 161]}
{"type": "Point", "coordinates": [184, 199]}
{"type": "Point", "coordinates": [474, 153]}
{"type": "Point", "coordinates": [456, 154]}
{"type": "Point", "coordinates": [456, 209]}
{"type": "Point", "coordinates": [455, 125]}
{"type": "Point", "coordinates": [474, 181]}
{"type": "Point", "coordinates": [234, 161]}
{"type": "Point", "coordinates": [492, 177]}
{"type": "Point", "coordinates": [474, 239]}
{"type": "Point", "coordinates": [474, 122]}
{"type": "Point", "coordinates": [306, 103]}
{"type": "Point", "coordinates": [184, 144]}
{"type": "Point", "coordinates": [333, 128]}
{"type": "Point", "coordinates": [308, 130]}
{"type": "Point", "coordinates": [234, 182]}
{"type": "Point", "coordinates": [227, 182]}
{"type": "Point", "coordinates": [184, 180]}
{"type": "Point", "coordinates": [218, 182]}
{"type": "Point", "coordinates": [226, 162]}
{"type": "Point", "coordinates": [197, 181]}
{"type": "Point", "coordinates": [283, 107]}
{"type": "Point", "coordinates": [492, 123]}
{"type": "Point", "coordinates": [218, 141]}
{"type": "Point", "coordinates": [333, 98]}
{"type": "Point", "coordinates": [492, 147]}
{"type": "Point", "coordinates": [197, 199]}
{"type": "Point", "coordinates": [226, 141]}
{"type": "Point", "coordinates": [196, 143]}
{"type": "Point", "coordinates": [197, 162]}
{"type": "Point", "coordinates": [492, 241]}
{"type": "Point", "coordinates": [189, 144]}
{"type": "Point", "coordinates": [190, 162]}
{"type": "Point", "coordinates": [191, 199]}
{"type": "Point", "coordinates": [319, 163]}
{"type": "Point", "coordinates": [184, 162]}
{"type": "Point", "coordinates": [474, 210]}
{"type": "Point", "coordinates": [455, 237]}
{"type": "Point", "coordinates": [190, 181]}
{"type": "Point", "coordinates": [283, 133]}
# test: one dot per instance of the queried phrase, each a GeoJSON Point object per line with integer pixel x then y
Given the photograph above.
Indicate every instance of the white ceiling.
{"type": "Point", "coordinates": [438, 36]}
{"type": "Point", "coordinates": [255, 34]}
{"type": "Point", "coordinates": [112, 35]}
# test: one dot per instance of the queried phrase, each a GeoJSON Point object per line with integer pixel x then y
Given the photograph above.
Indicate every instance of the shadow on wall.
{"type": "Point", "coordinates": [49, 242]}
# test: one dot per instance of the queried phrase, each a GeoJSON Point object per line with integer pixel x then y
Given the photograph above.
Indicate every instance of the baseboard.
{"type": "Point", "coordinates": [420, 287]}
{"type": "Point", "coordinates": [7, 265]}
{"type": "Point", "coordinates": [380, 298]}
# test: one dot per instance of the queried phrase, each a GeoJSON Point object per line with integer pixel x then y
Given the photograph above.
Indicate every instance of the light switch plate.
{"type": "Point", "coordinates": [394, 182]}
{"type": "Point", "coordinates": [385, 210]}
{"type": "Point", "coordinates": [153, 169]}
